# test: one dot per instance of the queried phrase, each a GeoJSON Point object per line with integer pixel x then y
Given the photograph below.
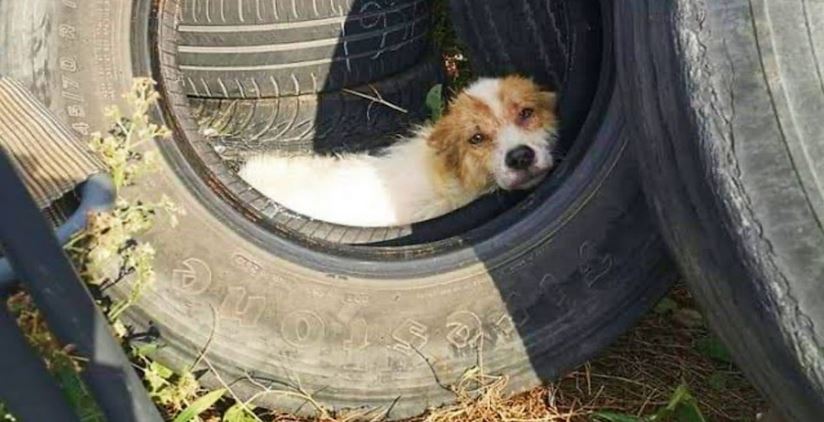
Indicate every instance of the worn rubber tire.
{"type": "Point", "coordinates": [257, 48]}
{"type": "Point", "coordinates": [727, 113]}
{"type": "Point", "coordinates": [296, 92]}
{"type": "Point", "coordinates": [533, 293]}
{"type": "Point", "coordinates": [326, 123]}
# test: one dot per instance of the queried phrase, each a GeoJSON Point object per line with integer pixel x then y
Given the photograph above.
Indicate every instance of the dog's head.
{"type": "Point", "coordinates": [497, 131]}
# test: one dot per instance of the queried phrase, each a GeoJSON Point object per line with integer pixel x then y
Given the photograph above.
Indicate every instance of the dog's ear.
{"type": "Point", "coordinates": [550, 99]}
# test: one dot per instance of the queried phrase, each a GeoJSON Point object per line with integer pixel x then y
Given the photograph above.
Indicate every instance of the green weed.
{"type": "Point", "coordinates": [682, 407]}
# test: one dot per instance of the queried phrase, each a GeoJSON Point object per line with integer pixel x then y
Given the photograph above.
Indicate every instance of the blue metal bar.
{"type": "Point", "coordinates": [39, 261]}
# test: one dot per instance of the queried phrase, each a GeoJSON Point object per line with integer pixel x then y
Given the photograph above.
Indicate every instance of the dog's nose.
{"type": "Point", "coordinates": [520, 158]}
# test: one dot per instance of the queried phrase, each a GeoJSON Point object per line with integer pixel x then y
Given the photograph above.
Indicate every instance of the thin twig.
{"type": "Point", "coordinates": [377, 98]}
{"type": "Point", "coordinates": [301, 394]}
{"type": "Point", "coordinates": [229, 389]}
{"type": "Point", "coordinates": [432, 369]}
{"type": "Point", "coordinates": [208, 340]}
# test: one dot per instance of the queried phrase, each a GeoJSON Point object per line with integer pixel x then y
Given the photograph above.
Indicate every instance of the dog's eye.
{"type": "Point", "coordinates": [476, 139]}
{"type": "Point", "coordinates": [526, 113]}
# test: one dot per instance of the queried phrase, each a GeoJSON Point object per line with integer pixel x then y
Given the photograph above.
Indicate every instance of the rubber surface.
{"type": "Point", "coordinates": [309, 76]}
{"type": "Point", "coordinates": [262, 48]}
{"type": "Point", "coordinates": [536, 291]}
{"type": "Point", "coordinates": [728, 126]}
{"type": "Point", "coordinates": [351, 120]}
{"type": "Point", "coordinates": [497, 46]}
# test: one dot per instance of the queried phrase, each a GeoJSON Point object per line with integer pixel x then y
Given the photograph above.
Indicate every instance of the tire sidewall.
{"type": "Point", "coordinates": [668, 77]}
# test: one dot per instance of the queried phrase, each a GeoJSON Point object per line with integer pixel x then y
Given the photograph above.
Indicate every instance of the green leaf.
{"type": "Point", "coordinates": [155, 382]}
{"type": "Point", "coordinates": [161, 370]}
{"type": "Point", "coordinates": [614, 417]}
{"type": "Point", "coordinates": [200, 405]}
{"type": "Point", "coordinates": [71, 385]}
{"type": "Point", "coordinates": [666, 305]}
{"type": "Point", "coordinates": [157, 376]}
{"type": "Point", "coordinates": [712, 348]}
{"type": "Point", "coordinates": [682, 407]}
{"type": "Point", "coordinates": [434, 102]}
{"type": "Point", "coordinates": [688, 412]}
{"type": "Point", "coordinates": [146, 349]}
{"type": "Point", "coordinates": [238, 413]}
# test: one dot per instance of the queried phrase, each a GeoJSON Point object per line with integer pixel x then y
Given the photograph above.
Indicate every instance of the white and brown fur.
{"type": "Point", "coordinates": [477, 146]}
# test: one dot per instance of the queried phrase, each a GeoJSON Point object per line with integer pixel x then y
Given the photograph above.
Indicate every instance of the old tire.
{"type": "Point", "coordinates": [532, 292]}
{"type": "Point", "coordinates": [259, 49]}
{"type": "Point", "coordinates": [727, 105]}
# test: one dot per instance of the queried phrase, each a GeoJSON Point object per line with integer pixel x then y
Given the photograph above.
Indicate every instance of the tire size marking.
{"type": "Point", "coordinates": [68, 64]}
{"type": "Point", "coordinates": [247, 264]}
{"type": "Point", "coordinates": [360, 299]}
{"type": "Point", "coordinates": [70, 87]}
{"type": "Point", "coordinates": [104, 49]}
{"type": "Point", "coordinates": [67, 31]}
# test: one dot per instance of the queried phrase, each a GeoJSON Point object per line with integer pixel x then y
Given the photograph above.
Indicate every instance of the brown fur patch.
{"type": "Point", "coordinates": [458, 157]}
{"type": "Point", "coordinates": [471, 164]}
{"type": "Point", "coordinates": [518, 93]}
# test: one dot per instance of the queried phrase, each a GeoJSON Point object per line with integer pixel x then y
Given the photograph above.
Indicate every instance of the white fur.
{"type": "Point", "coordinates": [399, 187]}
{"type": "Point", "coordinates": [488, 90]}
{"type": "Point", "coordinates": [512, 136]}
{"type": "Point", "coordinates": [396, 188]}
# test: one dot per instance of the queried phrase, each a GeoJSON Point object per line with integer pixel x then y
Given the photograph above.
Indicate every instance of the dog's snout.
{"type": "Point", "coordinates": [520, 158]}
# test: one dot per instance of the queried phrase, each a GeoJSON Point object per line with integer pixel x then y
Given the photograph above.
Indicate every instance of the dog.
{"type": "Point", "coordinates": [497, 133]}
